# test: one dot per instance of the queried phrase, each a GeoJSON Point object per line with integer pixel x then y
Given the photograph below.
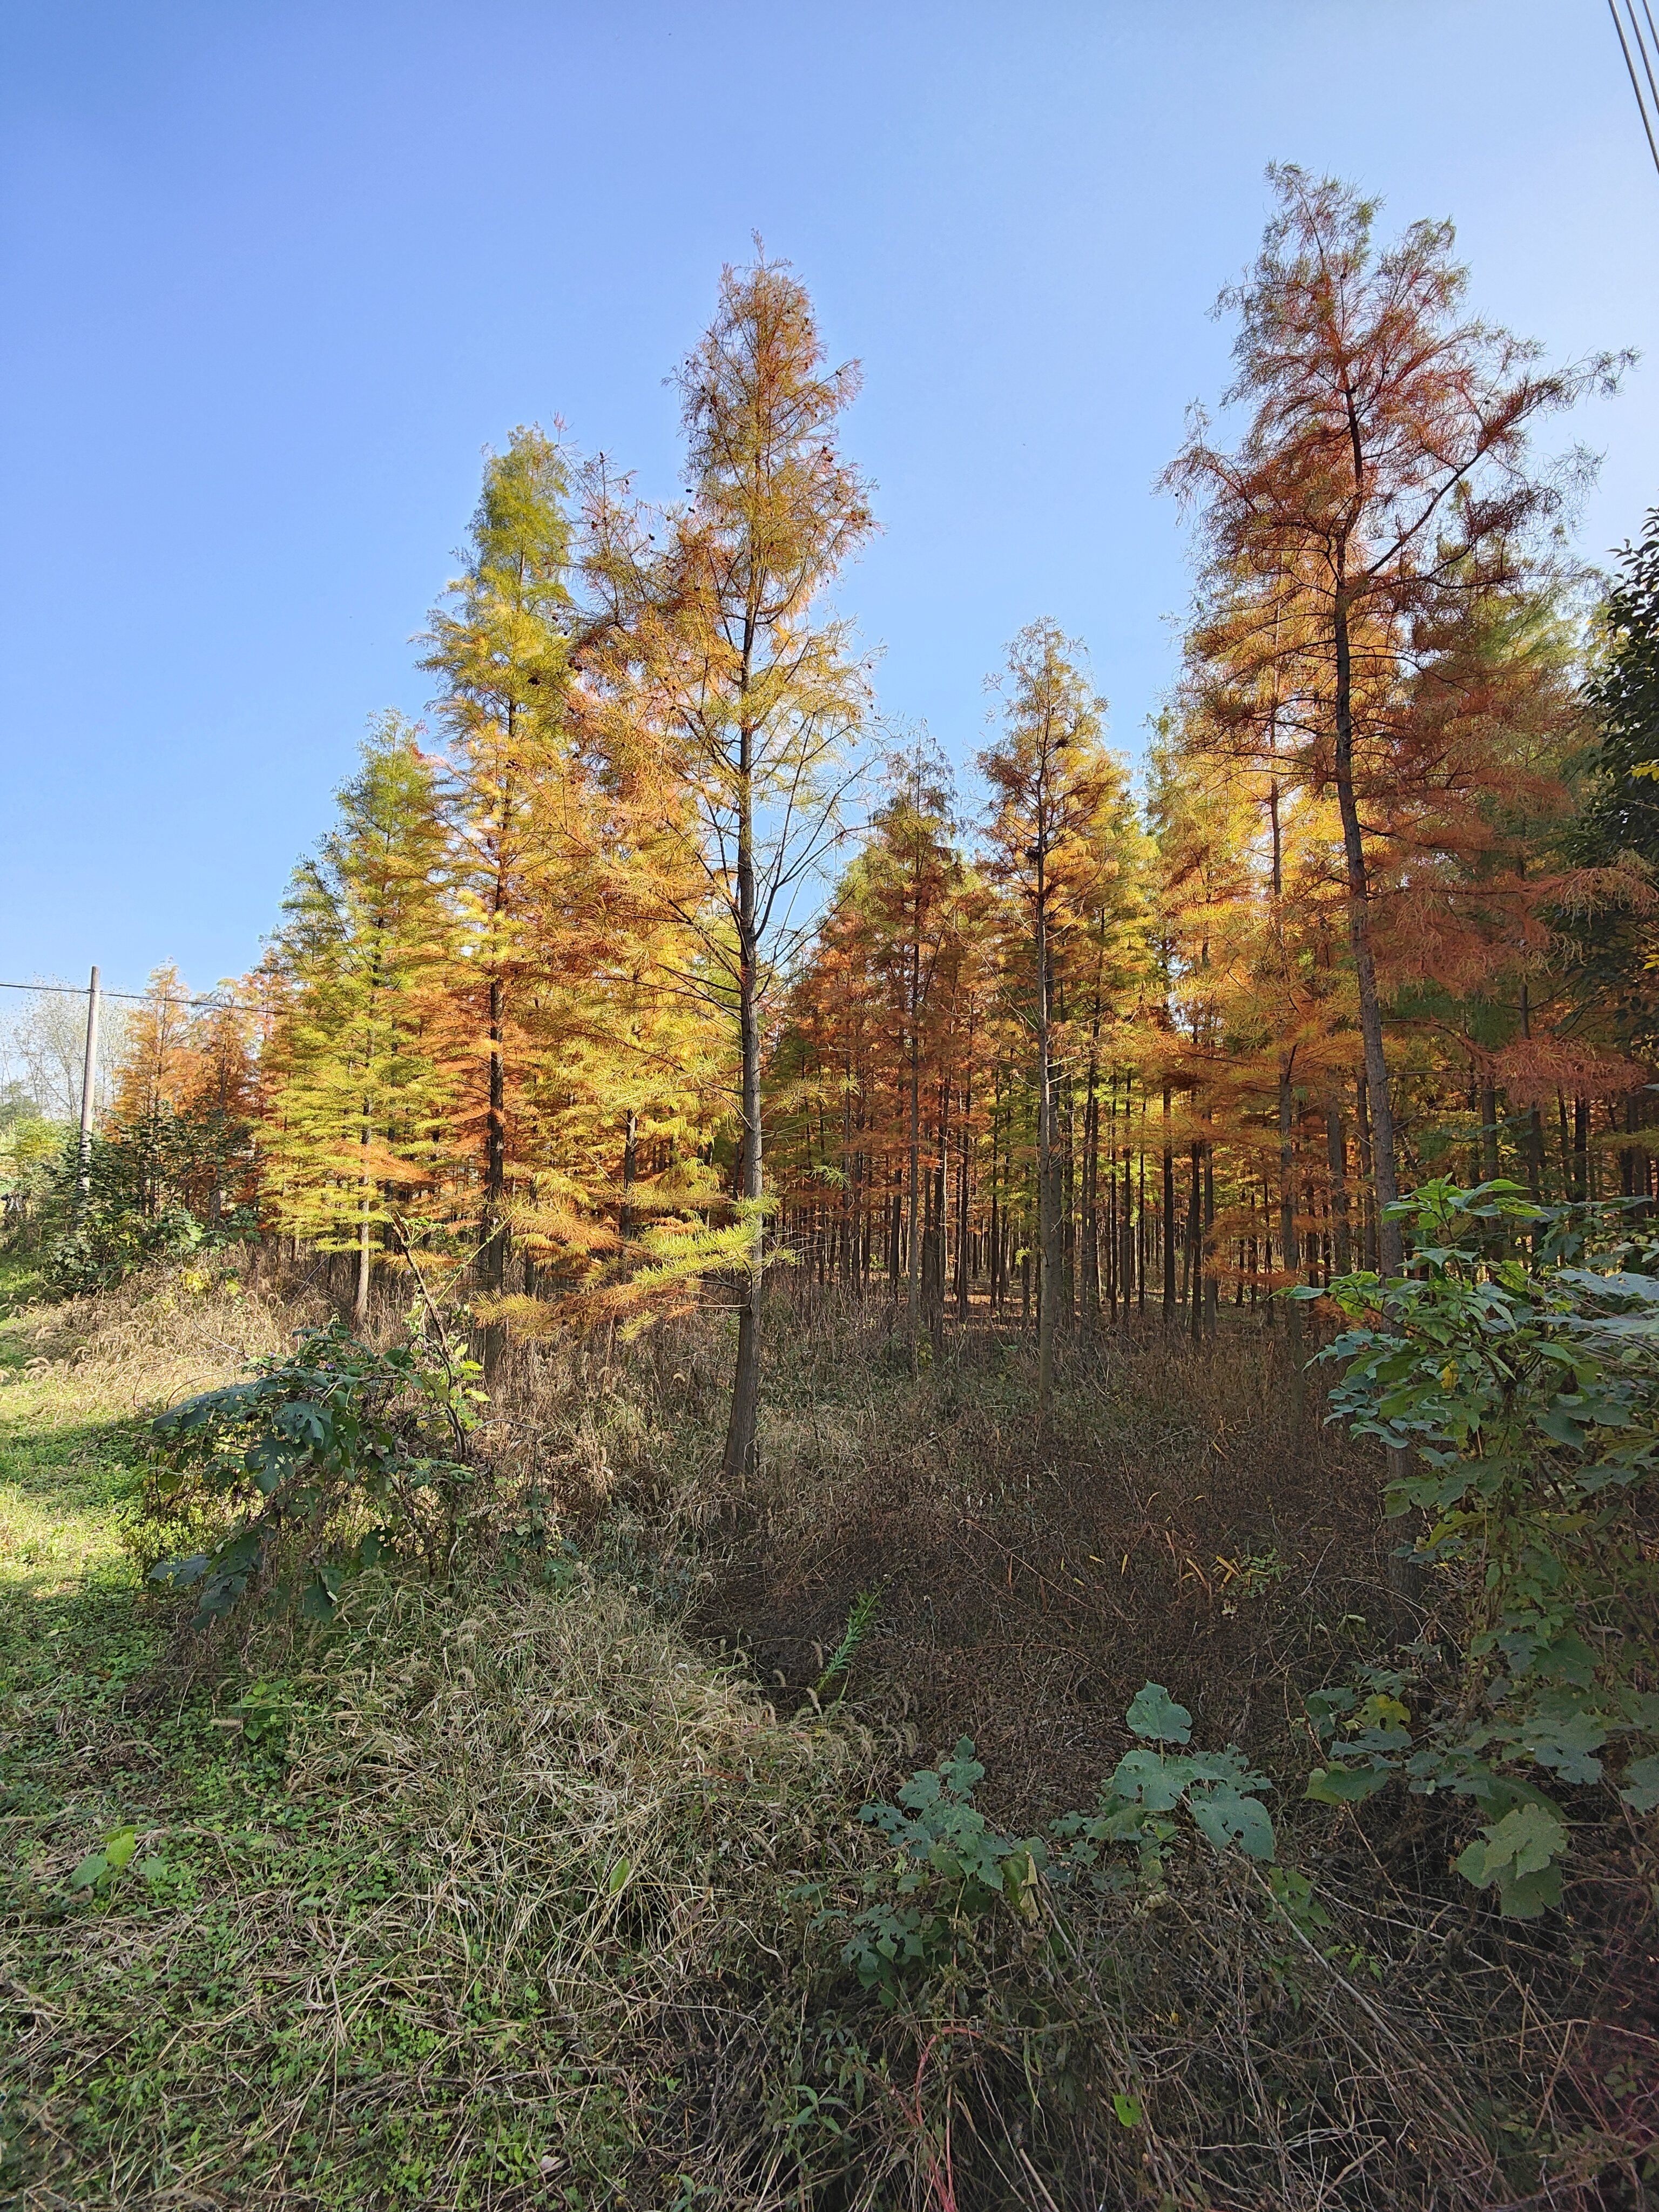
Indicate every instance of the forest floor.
{"type": "Point", "coordinates": [535, 1891]}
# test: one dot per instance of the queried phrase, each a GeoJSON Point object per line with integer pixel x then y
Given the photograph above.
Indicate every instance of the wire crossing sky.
{"type": "Point", "coordinates": [278, 275]}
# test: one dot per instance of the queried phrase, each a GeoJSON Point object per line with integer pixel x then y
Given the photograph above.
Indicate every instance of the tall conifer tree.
{"type": "Point", "coordinates": [740, 684]}
{"type": "Point", "coordinates": [502, 648]}
{"type": "Point", "coordinates": [1051, 780]}
{"type": "Point", "coordinates": [1382, 483]}
{"type": "Point", "coordinates": [360, 1118]}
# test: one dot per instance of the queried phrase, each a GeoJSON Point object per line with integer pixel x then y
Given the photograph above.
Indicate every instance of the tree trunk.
{"type": "Point", "coordinates": [941, 1234]}
{"type": "Point", "coordinates": [1336, 1147]}
{"type": "Point", "coordinates": [1391, 1249]}
{"type": "Point", "coordinates": [962, 1254]}
{"type": "Point", "coordinates": [1290, 1242]}
{"type": "Point", "coordinates": [630, 1176]}
{"type": "Point", "coordinates": [912, 1285]}
{"type": "Point", "coordinates": [1091, 1286]}
{"type": "Point", "coordinates": [1194, 1247]}
{"type": "Point", "coordinates": [744, 1423]}
{"type": "Point", "coordinates": [1169, 1219]}
{"type": "Point", "coordinates": [1581, 1151]}
{"type": "Point", "coordinates": [492, 1259]}
{"type": "Point", "coordinates": [1049, 1251]}
{"type": "Point", "coordinates": [359, 1303]}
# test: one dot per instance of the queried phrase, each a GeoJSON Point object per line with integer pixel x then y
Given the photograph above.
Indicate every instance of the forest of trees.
{"type": "Point", "coordinates": [606, 990]}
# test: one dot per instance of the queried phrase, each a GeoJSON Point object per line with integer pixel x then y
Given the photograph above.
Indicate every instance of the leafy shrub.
{"type": "Point", "coordinates": [1216, 1789]}
{"type": "Point", "coordinates": [113, 1241]}
{"type": "Point", "coordinates": [1520, 1399]}
{"type": "Point", "coordinates": [953, 1867]}
{"type": "Point", "coordinates": [30, 1147]}
{"type": "Point", "coordinates": [337, 1457]}
{"type": "Point", "coordinates": [156, 1190]}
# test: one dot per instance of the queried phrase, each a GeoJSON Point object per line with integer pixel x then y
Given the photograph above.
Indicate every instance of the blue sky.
{"type": "Point", "coordinates": [275, 274]}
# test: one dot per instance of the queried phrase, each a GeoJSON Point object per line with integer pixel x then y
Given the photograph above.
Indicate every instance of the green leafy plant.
{"type": "Point", "coordinates": [953, 1867]}
{"type": "Point", "coordinates": [1519, 1398]}
{"type": "Point", "coordinates": [339, 1457]}
{"type": "Point", "coordinates": [861, 1619]}
{"type": "Point", "coordinates": [533, 1547]}
{"type": "Point", "coordinates": [265, 1713]}
{"type": "Point", "coordinates": [143, 1174]}
{"type": "Point", "coordinates": [1217, 1790]}
{"type": "Point", "coordinates": [1250, 1576]}
{"type": "Point", "coordinates": [100, 1871]}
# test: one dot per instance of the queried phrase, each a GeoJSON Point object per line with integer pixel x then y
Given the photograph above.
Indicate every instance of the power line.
{"type": "Point", "coordinates": [139, 998]}
{"type": "Point", "coordinates": [1647, 66]}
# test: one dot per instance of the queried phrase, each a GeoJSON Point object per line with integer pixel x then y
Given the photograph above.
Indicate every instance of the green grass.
{"type": "Point", "coordinates": [61, 1473]}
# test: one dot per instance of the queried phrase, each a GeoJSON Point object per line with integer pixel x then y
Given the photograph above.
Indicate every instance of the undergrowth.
{"type": "Point", "coordinates": [518, 1892]}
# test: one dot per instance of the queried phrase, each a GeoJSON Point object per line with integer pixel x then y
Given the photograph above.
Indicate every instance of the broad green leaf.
{"type": "Point", "coordinates": [1556, 1422]}
{"type": "Point", "coordinates": [1148, 1780]}
{"type": "Point", "coordinates": [1526, 1842]}
{"type": "Point", "coordinates": [1346, 1785]}
{"type": "Point", "coordinates": [1153, 1712]}
{"type": "Point", "coordinates": [321, 1594]}
{"type": "Point", "coordinates": [181, 1573]}
{"type": "Point", "coordinates": [1226, 1817]}
{"type": "Point", "coordinates": [1525, 1897]}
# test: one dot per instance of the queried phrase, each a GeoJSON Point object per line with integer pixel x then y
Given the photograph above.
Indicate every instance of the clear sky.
{"type": "Point", "coordinates": [275, 274]}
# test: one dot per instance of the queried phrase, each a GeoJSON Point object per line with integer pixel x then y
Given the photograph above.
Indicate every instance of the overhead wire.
{"type": "Point", "coordinates": [1641, 48]}
{"type": "Point", "coordinates": [1647, 66]}
{"type": "Point", "coordinates": [139, 998]}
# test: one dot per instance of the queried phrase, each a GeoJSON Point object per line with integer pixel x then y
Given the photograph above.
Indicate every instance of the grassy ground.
{"type": "Point", "coordinates": [520, 1894]}
{"type": "Point", "coordinates": [394, 1915]}
{"type": "Point", "coordinates": [62, 1460]}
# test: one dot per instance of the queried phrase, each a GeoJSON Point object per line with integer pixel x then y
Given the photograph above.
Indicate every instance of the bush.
{"type": "Point", "coordinates": [953, 1867]}
{"type": "Point", "coordinates": [1519, 1401]}
{"type": "Point", "coordinates": [337, 1457]}
{"type": "Point", "coordinates": [156, 1190]}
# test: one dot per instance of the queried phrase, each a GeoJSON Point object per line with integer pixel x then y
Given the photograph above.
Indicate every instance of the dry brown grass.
{"type": "Point", "coordinates": [166, 1332]}
{"type": "Point", "coordinates": [1174, 1524]}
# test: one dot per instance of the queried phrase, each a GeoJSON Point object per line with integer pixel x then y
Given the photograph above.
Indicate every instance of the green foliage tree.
{"type": "Point", "coordinates": [1619, 820]}
{"type": "Point", "coordinates": [501, 650]}
{"type": "Point", "coordinates": [359, 1115]}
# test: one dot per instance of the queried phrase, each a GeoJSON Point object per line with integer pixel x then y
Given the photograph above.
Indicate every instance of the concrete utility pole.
{"type": "Point", "coordinates": [83, 1177]}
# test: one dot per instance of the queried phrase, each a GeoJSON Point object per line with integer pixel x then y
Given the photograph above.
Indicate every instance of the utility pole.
{"type": "Point", "coordinates": [83, 1175]}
